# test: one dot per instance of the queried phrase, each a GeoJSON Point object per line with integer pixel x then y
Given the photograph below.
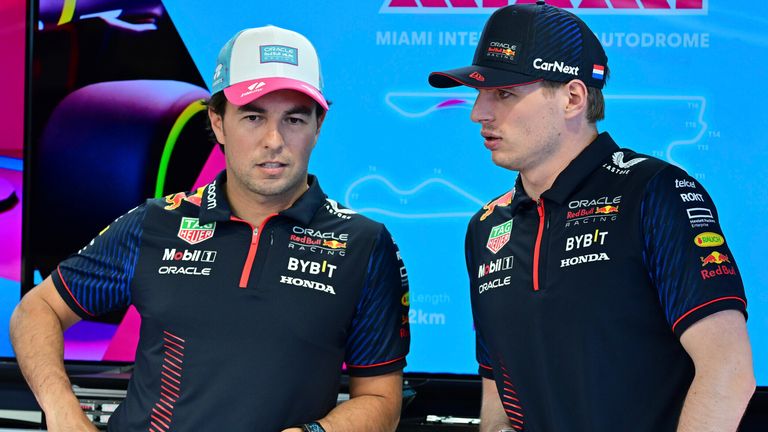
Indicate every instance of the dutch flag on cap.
{"type": "Point", "coordinates": [598, 72]}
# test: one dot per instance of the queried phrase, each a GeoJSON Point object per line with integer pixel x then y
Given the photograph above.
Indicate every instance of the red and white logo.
{"type": "Point", "coordinates": [592, 7]}
{"type": "Point", "coordinates": [477, 76]}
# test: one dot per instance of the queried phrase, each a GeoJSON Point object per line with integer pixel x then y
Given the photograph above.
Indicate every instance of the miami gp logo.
{"type": "Point", "coordinates": [590, 7]}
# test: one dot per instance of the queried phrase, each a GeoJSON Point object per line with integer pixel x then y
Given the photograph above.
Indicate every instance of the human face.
{"type": "Point", "coordinates": [522, 126]}
{"type": "Point", "coordinates": [267, 144]}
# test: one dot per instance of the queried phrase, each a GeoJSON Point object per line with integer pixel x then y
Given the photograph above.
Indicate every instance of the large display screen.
{"type": "Point", "coordinates": [685, 87]}
{"type": "Point", "coordinates": [12, 51]}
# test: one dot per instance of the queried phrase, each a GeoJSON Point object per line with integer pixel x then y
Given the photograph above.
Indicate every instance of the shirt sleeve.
{"type": "Point", "coordinates": [379, 337]}
{"type": "Point", "coordinates": [96, 280]}
{"type": "Point", "coordinates": [685, 250]}
{"type": "Point", "coordinates": [481, 349]}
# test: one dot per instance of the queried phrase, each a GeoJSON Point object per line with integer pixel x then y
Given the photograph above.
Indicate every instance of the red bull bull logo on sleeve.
{"type": "Point", "coordinates": [715, 258]}
{"type": "Point", "coordinates": [719, 260]}
{"type": "Point", "coordinates": [592, 7]}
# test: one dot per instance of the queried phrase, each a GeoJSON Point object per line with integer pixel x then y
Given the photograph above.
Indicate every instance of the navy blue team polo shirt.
{"type": "Point", "coordinates": [243, 328]}
{"type": "Point", "coordinates": [580, 298]}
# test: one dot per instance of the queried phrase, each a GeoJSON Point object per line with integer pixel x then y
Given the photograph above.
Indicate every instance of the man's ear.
{"type": "Point", "coordinates": [577, 99]}
{"type": "Point", "coordinates": [217, 125]}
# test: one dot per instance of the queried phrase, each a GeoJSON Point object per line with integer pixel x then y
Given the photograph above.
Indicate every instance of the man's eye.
{"type": "Point", "coordinates": [253, 117]}
{"type": "Point", "coordinates": [503, 94]}
{"type": "Point", "coordinates": [295, 120]}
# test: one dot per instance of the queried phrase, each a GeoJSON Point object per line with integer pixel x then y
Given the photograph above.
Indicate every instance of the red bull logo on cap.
{"type": "Point", "coordinates": [592, 7]}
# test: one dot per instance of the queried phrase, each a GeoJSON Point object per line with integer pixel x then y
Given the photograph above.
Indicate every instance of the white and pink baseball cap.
{"type": "Point", "coordinates": [261, 60]}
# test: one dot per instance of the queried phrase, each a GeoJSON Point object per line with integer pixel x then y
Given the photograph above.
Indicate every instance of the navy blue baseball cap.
{"type": "Point", "coordinates": [523, 44]}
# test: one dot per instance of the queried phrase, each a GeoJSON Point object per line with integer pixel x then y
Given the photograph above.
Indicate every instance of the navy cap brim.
{"type": "Point", "coordinates": [479, 77]}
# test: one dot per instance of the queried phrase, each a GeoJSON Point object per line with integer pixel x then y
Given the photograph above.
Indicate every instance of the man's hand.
{"type": "Point", "coordinates": [373, 405]}
{"type": "Point", "coordinates": [36, 328]}
{"type": "Point", "coordinates": [492, 415]}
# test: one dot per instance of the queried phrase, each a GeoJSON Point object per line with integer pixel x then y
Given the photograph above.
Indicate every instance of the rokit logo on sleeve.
{"type": "Point", "coordinates": [691, 197]}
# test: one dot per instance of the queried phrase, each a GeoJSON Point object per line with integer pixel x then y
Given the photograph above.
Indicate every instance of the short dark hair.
{"type": "Point", "coordinates": [595, 99]}
{"type": "Point", "coordinates": [218, 104]}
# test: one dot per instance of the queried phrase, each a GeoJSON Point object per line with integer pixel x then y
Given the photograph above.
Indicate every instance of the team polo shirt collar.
{"type": "Point", "coordinates": [580, 168]}
{"type": "Point", "coordinates": [215, 206]}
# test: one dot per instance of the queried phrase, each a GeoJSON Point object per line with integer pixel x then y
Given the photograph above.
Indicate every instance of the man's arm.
{"type": "Point", "coordinates": [37, 326]}
{"type": "Point", "coordinates": [724, 380]}
{"type": "Point", "coordinates": [374, 406]}
{"type": "Point", "coordinates": [492, 415]}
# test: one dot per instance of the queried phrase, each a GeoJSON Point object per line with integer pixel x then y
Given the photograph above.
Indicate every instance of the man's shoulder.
{"type": "Point", "coordinates": [179, 200]}
{"type": "Point", "coordinates": [332, 213]}
{"type": "Point", "coordinates": [492, 206]}
{"type": "Point", "coordinates": [629, 162]}
{"type": "Point", "coordinates": [626, 166]}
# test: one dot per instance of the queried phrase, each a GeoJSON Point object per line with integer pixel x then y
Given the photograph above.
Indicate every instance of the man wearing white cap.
{"type": "Point", "coordinates": [253, 290]}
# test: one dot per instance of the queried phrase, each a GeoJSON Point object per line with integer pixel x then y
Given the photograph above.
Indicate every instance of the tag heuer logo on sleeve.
{"type": "Point", "coordinates": [499, 236]}
{"type": "Point", "coordinates": [193, 233]}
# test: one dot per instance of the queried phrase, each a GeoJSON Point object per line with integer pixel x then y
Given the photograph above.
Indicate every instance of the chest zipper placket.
{"type": "Point", "coordinates": [537, 247]}
{"type": "Point", "coordinates": [256, 234]}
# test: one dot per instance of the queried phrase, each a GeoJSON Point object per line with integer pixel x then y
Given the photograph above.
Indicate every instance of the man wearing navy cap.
{"type": "Point", "coordinates": [604, 294]}
{"type": "Point", "coordinates": [253, 290]}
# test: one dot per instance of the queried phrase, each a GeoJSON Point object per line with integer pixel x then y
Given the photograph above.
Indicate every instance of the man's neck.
{"type": "Point", "coordinates": [540, 179]}
{"type": "Point", "coordinates": [254, 208]}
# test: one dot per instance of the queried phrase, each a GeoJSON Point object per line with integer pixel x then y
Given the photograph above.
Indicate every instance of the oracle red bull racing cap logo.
{"type": "Point", "coordinates": [592, 7]}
